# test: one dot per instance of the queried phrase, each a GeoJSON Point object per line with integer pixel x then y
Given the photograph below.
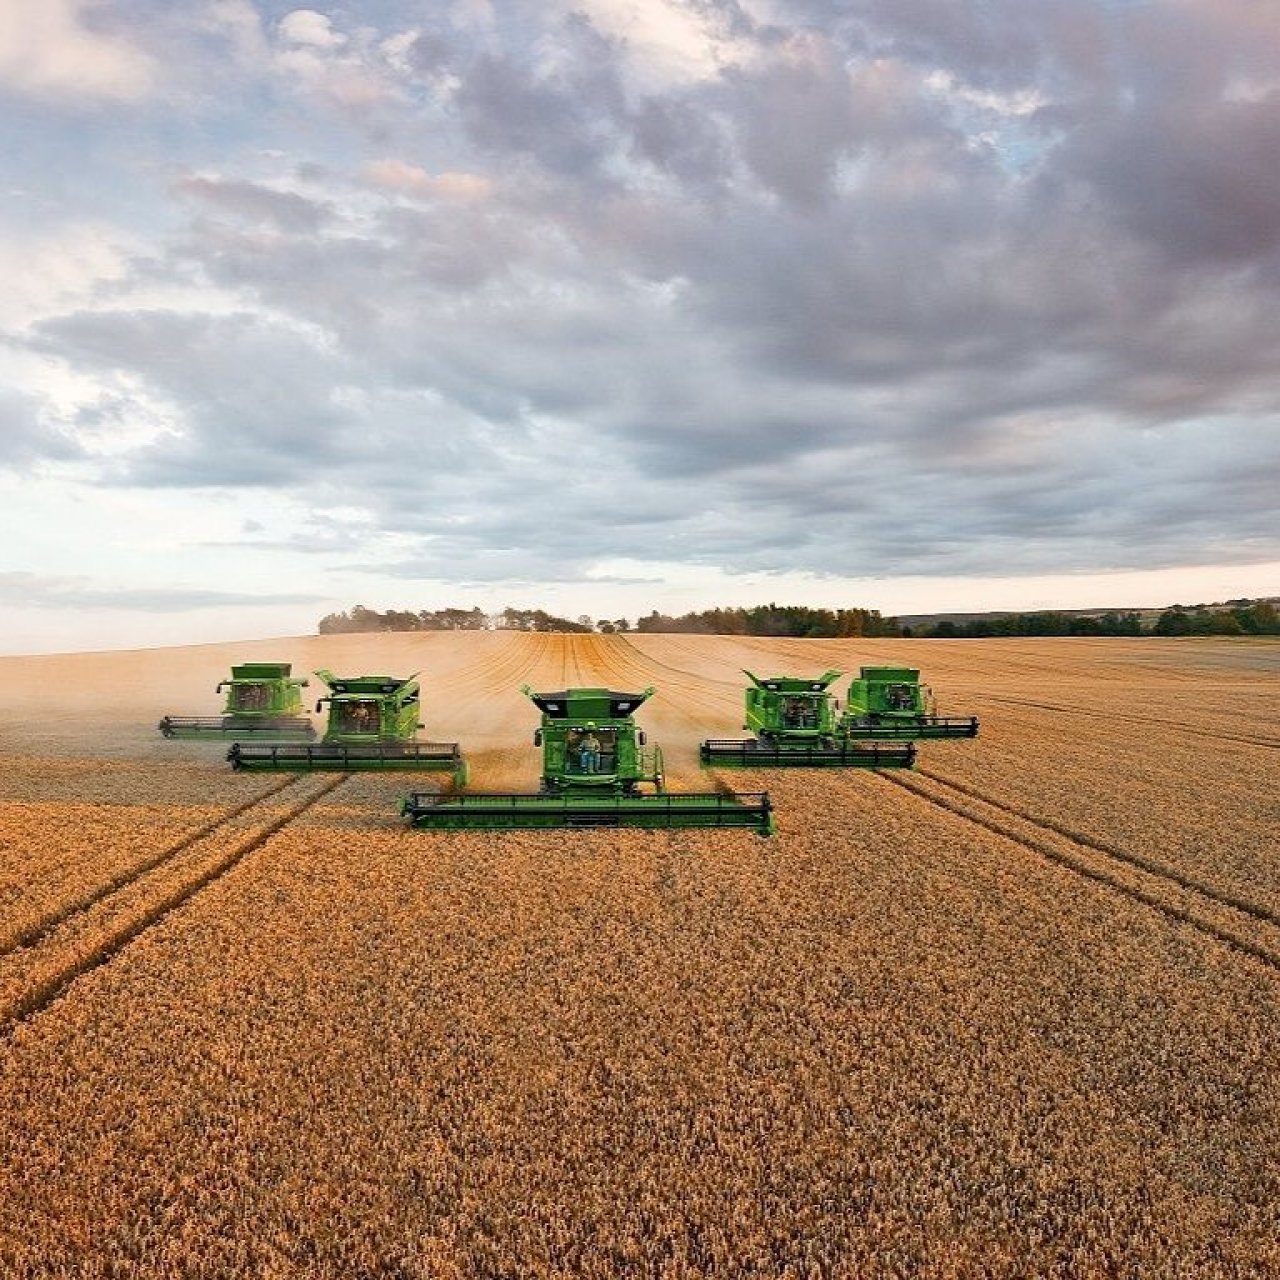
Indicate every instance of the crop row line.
{"type": "Point", "coordinates": [1082, 861]}
{"type": "Point", "coordinates": [675, 647]}
{"type": "Point", "coordinates": [632, 665]}
{"type": "Point", "coordinates": [1158, 869]}
{"type": "Point", "coordinates": [1198, 731]}
{"type": "Point", "coordinates": [510, 662]}
{"type": "Point", "coordinates": [31, 933]}
{"type": "Point", "coordinates": [82, 956]}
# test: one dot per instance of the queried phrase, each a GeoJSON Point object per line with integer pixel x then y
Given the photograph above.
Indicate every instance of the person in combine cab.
{"type": "Point", "coordinates": [589, 755]}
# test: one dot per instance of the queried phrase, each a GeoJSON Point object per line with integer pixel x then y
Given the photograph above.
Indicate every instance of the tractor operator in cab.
{"type": "Point", "coordinates": [589, 754]}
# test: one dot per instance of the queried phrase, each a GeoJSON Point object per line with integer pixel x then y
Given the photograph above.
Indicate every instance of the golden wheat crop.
{"type": "Point", "coordinates": [893, 1041]}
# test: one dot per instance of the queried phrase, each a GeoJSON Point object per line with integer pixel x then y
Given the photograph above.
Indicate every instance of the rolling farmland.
{"type": "Point", "coordinates": [1013, 1013]}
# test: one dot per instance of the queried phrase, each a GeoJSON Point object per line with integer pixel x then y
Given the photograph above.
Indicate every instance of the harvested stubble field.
{"type": "Point", "coordinates": [1013, 1014]}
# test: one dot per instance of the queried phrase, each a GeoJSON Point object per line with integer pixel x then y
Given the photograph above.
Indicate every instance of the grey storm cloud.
{"type": "Point", "coordinates": [285, 210]}
{"type": "Point", "coordinates": [899, 285]}
{"type": "Point", "coordinates": [254, 398]}
{"type": "Point", "coordinates": [25, 439]}
{"type": "Point", "coordinates": [567, 121]}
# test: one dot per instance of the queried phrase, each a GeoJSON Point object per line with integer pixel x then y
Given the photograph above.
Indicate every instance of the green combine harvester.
{"type": "Point", "coordinates": [263, 700]}
{"type": "Point", "coordinates": [372, 722]}
{"type": "Point", "coordinates": [794, 720]}
{"type": "Point", "coordinates": [891, 703]}
{"type": "Point", "coordinates": [594, 762]}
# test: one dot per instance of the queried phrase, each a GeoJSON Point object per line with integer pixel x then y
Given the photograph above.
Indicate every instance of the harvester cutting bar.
{"type": "Point", "coordinates": [752, 753]}
{"type": "Point", "coordinates": [282, 727]}
{"type": "Point", "coordinates": [922, 727]}
{"type": "Point", "coordinates": [501, 811]}
{"type": "Point", "coordinates": [347, 757]}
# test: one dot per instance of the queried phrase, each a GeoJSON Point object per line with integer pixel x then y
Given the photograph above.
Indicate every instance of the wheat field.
{"type": "Point", "coordinates": [1011, 1014]}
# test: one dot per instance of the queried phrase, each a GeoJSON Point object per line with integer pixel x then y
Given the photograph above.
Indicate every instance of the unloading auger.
{"type": "Point", "coordinates": [263, 700]}
{"type": "Point", "coordinates": [891, 703]}
{"type": "Point", "coordinates": [595, 761]}
{"type": "Point", "coordinates": [794, 720]}
{"type": "Point", "coordinates": [371, 727]}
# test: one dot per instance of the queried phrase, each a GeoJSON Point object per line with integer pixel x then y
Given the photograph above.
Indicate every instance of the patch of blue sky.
{"type": "Point", "coordinates": [1006, 127]}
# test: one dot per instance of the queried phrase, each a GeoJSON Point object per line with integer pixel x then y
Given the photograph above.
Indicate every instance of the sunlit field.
{"type": "Point", "coordinates": [1011, 1013]}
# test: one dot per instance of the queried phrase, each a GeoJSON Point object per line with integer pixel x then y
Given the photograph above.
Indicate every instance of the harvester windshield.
{"type": "Point", "coordinates": [356, 716]}
{"type": "Point", "coordinates": [800, 712]}
{"type": "Point", "coordinates": [898, 697]}
{"type": "Point", "coordinates": [591, 751]}
{"type": "Point", "coordinates": [253, 696]}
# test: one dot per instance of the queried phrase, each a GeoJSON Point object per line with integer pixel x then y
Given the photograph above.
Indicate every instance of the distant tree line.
{"type": "Point", "coordinates": [362, 619]}
{"type": "Point", "coordinates": [1034, 624]}
{"type": "Point", "coordinates": [1236, 617]}
{"type": "Point", "coordinates": [762, 620]}
{"type": "Point", "coordinates": [775, 620]}
{"type": "Point", "coordinates": [1240, 618]}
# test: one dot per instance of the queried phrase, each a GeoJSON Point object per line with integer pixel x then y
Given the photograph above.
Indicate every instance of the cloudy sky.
{"type": "Point", "coordinates": [606, 305]}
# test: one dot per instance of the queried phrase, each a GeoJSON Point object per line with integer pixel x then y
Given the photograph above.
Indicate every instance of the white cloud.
{"type": "Point", "coordinates": [239, 22]}
{"type": "Point", "coordinates": [396, 50]}
{"type": "Point", "coordinates": [1021, 102]}
{"type": "Point", "coordinates": [47, 51]}
{"type": "Point", "coordinates": [354, 72]}
{"type": "Point", "coordinates": [475, 15]}
{"type": "Point", "coordinates": [307, 27]}
{"type": "Point", "coordinates": [52, 269]}
{"type": "Point", "coordinates": [410, 179]}
{"type": "Point", "coordinates": [668, 42]}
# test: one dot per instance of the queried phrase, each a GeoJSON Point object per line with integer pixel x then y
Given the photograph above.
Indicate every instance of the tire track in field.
{"type": "Point", "coordinates": [33, 977]}
{"type": "Point", "coordinates": [690, 690]}
{"type": "Point", "coordinates": [497, 664]}
{"type": "Point", "coordinates": [571, 662]}
{"type": "Point", "coordinates": [1242, 925]}
{"type": "Point", "coordinates": [676, 647]}
{"type": "Point", "coordinates": [693, 704]}
{"type": "Point", "coordinates": [32, 932]}
{"type": "Point", "coordinates": [1218, 735]}
{"type": "Point", "coordinates": [490, 677]}
{"type": "Point", "coordinates": [491, 715]}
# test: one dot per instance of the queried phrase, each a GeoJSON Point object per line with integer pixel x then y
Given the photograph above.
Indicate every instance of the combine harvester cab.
{"type": "Point", "coordinates": [263, 700]}
{"type": "Point", "coordinates": [372, 722]}
{"type": "Point", "coordinates": [891, 703]}
{"type": "Point", "coordinates": [794, 720]}
{"type": "Point", "coordinates": [594, 763]}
